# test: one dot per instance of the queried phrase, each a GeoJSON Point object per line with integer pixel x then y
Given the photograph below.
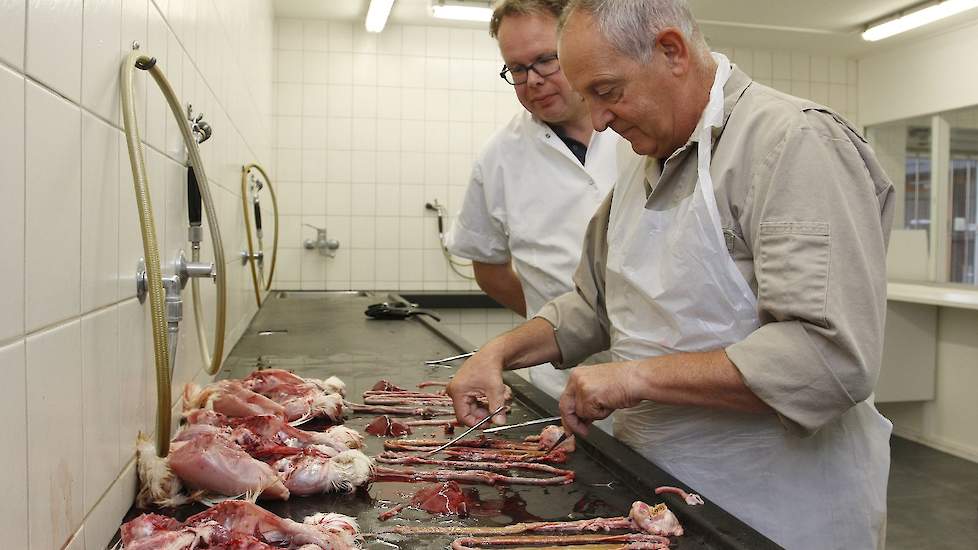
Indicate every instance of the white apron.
{"type": "Point", "coordinates": [673, 287]}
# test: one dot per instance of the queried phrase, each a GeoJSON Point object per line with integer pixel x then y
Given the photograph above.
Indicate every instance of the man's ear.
{"type": "Point", "coordinates": [675, 49]}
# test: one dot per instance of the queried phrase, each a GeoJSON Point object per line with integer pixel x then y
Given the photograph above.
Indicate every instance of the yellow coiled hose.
{"type": "Point", "coordinates": [151, 249]}
{"type": "Point", "coordinates": [247, 220]}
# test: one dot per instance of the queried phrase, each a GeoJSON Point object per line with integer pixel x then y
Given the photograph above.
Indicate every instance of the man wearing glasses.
{"type": "Point", "coordinates": [539, 180]}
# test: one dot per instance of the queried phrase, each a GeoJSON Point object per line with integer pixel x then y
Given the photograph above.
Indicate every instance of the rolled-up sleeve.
{"type": "Point", "coordinates": [817, 222]}
{"type": "Point", "coordinates": [579, 317]}
{"type": "Point", "coordinates": [476, 234]}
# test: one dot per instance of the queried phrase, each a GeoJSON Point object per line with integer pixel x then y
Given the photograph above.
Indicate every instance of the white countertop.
{"type": "Point", "coordinates": [945, 295]}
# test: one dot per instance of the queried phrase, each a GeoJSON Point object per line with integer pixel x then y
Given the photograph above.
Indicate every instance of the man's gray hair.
{"type": "Point", "coordinates": [632, 25]}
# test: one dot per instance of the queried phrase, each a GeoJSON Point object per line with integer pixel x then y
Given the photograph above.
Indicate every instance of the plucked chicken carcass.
{"type": "Point", "coordinates": [240, 525]}
{"type": "Point", "coordinates": [272, 391]}
{"type": "Point", "coordinates": [208, 461]}
{"type": "Point", "coordinates": [254, 433]}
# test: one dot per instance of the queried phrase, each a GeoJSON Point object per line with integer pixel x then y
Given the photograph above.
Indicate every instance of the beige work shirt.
{"type": "Point", "coordinates": [806, 211]}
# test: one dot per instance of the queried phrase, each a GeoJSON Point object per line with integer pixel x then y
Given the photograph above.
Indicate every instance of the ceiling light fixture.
{"type": "Point", "coordinates": [462, 11]}
{"type": "Point", "coordinates": [912, 20]}
{"type": "Point", "coordinates": [377, 15]}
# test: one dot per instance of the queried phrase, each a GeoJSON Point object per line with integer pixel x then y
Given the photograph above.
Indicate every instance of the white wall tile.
{"type": "Point", "coordinates": [103, 521]}
{"type": "Point", "coordinates": [460, 74]}
{"type": "Point", "coordinates": [819, 68]}
{"type": "Point", "coordinates": [289, 34]}
{"type": "Point", "coordinates": [781, 65]}
{"type": "Point", "coordinates": [157, 110]}
{"type": "Point", "coordinates": [314, 101]}
{"type": "Point", "coordinates": [313, 199]}
{"type": "Point", "coordinates": [135, 366]}
{"type": "Point", "coordinates": [54, 44]}
{"type": "Point", "coordinates": [364, 165]}
{"type": "Point", "coordinates": [390, 40]}
{"type": "Point", "coordinates": [365, 134]}
{"type": "Point", "coordinates": [288, 97]}
{"type": "Point", "coordinates": [99, 214]}
{"type": "Point", "coordinates": [414, 102]}
{"type": "Point", "coordinates": [837, 70]}
{"type": "Point", "coordinates": [388, 70]}
{"type": "Point", "coordinates": [437, 73]}
{"type": "Point", "coordinates": [364, 102]}
{"type": "Point", "coordinates": [414, 40]}
{"type": "Point", "coordinates": [100, 390]}
{"type": "Point", "coordinates": [339, 197]}
{"type": "Point", "coordinates": [289, 165]}
{"type": "Point", "coordinates": [289, 66]}
{"type": "Point", "coordinates": [339, 132]}
{"type": "Point", "coordinates": [340, 36]}
{"type": "Point", "coordinates": [290, 132]}
{"type": "Point", "coordinates": [53, 147]}
{"type": "Point", "coordinates": [12, 207]}
{"type": "Point", "coordinates": [763, 65]}
{"type": "Point", "coordinates": [315, 67]}
{"type": "Point", "coordinates": [54, 435]}
{"type": "Point", "coordinates": [313, 166]}
{"type": "Point", "coordinates": [13, 466]}
{"type": "Point", "coordinates": [438, 41]}
{"type": "Point", "coordinates": [339, 68]}
{"type": "Point", "coordinates": [364, 67]}
{"type": "Point", "coordinates": [388, 103]}
{"type": "Point", "coordinates": [800, 66]}
{"type": "Point", "coordinates": [101, 34]}
{"type": "Point", "coordinates": [314, 133]}
{"type": "Point", "coordinates": [340, 102]}
{"type": "Point", "coordinates": [314, 36]}
{"type": "Point", "coordinates": [12, 26]}
{"type": "Point", "coordinates": [363, 41]}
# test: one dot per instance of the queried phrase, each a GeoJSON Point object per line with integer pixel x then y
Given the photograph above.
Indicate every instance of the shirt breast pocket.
{"type": "Point", "coordinates": [793, 271]}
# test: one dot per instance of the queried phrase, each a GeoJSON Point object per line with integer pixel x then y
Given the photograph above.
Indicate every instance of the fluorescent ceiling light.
{"type": "Point", "coordinates": [918, 18]}
{"type": "Point", "coordinates": [377, 15]}
{"type": "Point", "coordinates": [461, 12]}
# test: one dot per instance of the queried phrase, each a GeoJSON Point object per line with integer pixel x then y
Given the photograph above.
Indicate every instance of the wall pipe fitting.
{"type": "Point", "coordinates": [154, 275]}
{"type": "Point", "coordinates": [160, 306]}
{"type": "Point", "coordinates": [251, 256]}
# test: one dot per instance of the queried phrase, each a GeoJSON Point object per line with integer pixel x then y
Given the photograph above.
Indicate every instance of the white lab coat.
{"type": "Point", "coordinates": [529, 201]}
{"type": "Point", "coordinates": [673, 287]}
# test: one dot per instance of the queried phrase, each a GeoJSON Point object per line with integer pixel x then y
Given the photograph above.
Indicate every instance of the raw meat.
{"type": "Point", "coordinates": [690, 498]}
{"type": "Point", "coordinates": [384, 426]}
{"type": "Point", "coordinates": [239, 525]}
{"type": "Point", "coordinates": [441, 500]}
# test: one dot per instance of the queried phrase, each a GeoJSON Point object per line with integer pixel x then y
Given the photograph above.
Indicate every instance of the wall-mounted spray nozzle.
{"type": "Point", "coordinates": [194, 208]}
{"type": "Point", "coordinates": [256, 186]}
{"type": "Point", "coordinates": [436, 207]}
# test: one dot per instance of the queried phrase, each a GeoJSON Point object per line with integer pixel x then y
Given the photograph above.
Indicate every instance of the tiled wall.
{"type": "Point", "coordinates": [370, 127]}
{"type": "Point", "coordinates": [75, 349]}
{"type": "Point", "coordinates": [478, 325]}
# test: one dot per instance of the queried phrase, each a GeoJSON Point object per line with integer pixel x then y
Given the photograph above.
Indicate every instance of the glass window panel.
{"type": "Point", "coordinates": [963, 174]}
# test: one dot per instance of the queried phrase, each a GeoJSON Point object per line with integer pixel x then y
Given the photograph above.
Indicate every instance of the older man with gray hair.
{"type": "Point", "coordinates": [736, 272]}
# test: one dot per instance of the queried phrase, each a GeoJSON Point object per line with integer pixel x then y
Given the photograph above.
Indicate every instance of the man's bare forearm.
{"type": "Point", "coordinates": [529, 344]}
{"type": "Point", "coordinates": [500, 282]}
{"type": "Point", "coordinates": [706, 379]}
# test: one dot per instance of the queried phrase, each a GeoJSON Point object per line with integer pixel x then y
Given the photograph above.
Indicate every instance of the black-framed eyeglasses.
{"type": "Point", "coordinates": [544, 66]}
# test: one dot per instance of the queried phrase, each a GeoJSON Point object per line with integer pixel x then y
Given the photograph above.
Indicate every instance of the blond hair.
{"type": "Point", "coordinates": [505, 8]}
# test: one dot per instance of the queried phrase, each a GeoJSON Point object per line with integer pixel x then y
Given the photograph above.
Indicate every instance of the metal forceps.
{"type": "Point", "coordinates": [441, 362]}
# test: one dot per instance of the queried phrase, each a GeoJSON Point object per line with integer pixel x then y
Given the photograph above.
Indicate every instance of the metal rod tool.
{"type": "Point", "coordinates": [452, 358]}
{"type": "Point", "coordinates": [468, 431]}
{"type": "Point", "coordinates": [522, 425]}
